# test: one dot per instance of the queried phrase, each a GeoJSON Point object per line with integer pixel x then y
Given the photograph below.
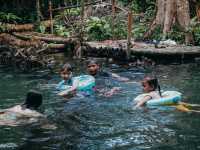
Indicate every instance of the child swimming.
{"type": "Point", "coordinates": [67, 76]}
{"type": "Point", "coordinates": [151, 89]}
{"type": "Point", "coordinates": [94, 69]}
{"type": "Point", "coordinates": [28, 109]}
{"type": "Point", "coordinates": [70, 85]}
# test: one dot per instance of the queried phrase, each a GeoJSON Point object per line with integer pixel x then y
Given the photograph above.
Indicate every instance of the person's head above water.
{"type": "Point", "coordinates": [33, 100]}
{"type": "Point", "coordinates": [66, 71]}
{"type": "Point", "coordinates": [150, 84]}
{"type": "Point", "coordinates": [93, 67]}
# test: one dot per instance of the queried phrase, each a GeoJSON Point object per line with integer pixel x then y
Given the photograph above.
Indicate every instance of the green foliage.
{"type": "Point", "coordinates": [195, 29]}
{"type": "Point", "coordinates": [41, 28]}
{"type": "Point", "coordinates": [98, 29]}
{"type": "Point", "coordinates": [120, 31]}
{"type": "Point", "coordinates": [2, 27]}
{"type": "Point", "coordinates": [61, 31]}
{"type": "Point", "coordinates": [119, 28]}
{"type": "Point", "coordinates": [61, 27]}
{"type": "Point", "coordinates": [73, 11]}
{"type": "Point", "coordinates": [157, 34]}
{"type": "Point", "coordinates": [139, 30]}
{"type": "Point", "coordinates": [197, 35]}
{"type": "Point", "coordinates": [9, 17]}
{"type": "Point", "coordinates": [176, 35]}
{"type": "Point", "coordinates": [139, 6]}
{"type": "Point", "coordinates": [149, 13]}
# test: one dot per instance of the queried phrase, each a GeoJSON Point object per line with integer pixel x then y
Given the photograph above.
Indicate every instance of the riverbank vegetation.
{"type": "Point", "coordinates": [151, 19]}
{"type": "Point", "coordinates": [56, 24]}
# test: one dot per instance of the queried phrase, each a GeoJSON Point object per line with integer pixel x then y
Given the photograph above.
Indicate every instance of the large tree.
{"type": "Point", "coordinates": [170, 12]}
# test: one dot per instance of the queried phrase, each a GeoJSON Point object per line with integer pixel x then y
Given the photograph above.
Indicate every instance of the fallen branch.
{"type": "Point", "coordinates": [8, 39]}
{"type": "Point", "coordinates": [46, 39]}
{"type": "Point", "coordinates": [6, 27]}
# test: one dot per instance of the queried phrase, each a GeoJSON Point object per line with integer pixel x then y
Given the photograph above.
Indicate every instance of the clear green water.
{"type": "Point", "coordinates": [100, 123]}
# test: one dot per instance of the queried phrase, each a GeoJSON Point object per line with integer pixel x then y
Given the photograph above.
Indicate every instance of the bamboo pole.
{"type": "Point", "coordinates": [130, 22]}
{"type": "Point", "coordinates": [82, 19]}
{"type": "Point", "coordinates": [38, 10]}
{"type": "Point", "coordinates": [113, 18]}
{"type": "Point", "coordinates": [198, 12]}
{"type": "Point", "coordinates": [51, 16]}
{"type": "Point", "coordinates": [79, 50]}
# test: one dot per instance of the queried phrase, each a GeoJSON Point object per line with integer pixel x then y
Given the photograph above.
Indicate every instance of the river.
{"type": "Point", "coordinates": [104, 123]}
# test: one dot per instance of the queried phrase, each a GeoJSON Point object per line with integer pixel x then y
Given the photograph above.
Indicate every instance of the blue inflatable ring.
{"type": "Point", "coordinates": [168, 98]}
{"type": "Point", "coordinates": [85, 82]}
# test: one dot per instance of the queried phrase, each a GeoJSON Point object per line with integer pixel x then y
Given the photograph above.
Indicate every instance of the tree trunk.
{"type": "Point", "coordinates": [168, 12]}
{"type": "Point", "coordinates": [183, 17]}
{"type": "Point", "coordinates": [88, 10]}
{"type": "Point", "coordinates": [159, 19]}
{"type": "Point", "coordinates": [169, 16]}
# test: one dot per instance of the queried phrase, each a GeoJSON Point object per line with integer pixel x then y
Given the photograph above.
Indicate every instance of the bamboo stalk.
{"type": "Point", "coordinates": [113, 18]}
{"type": "Point", "coordinates": [130, 22]}
{"type": "Point", "coordinates": [82, 19]}
{"type": "Point", "coordinates": [51, 16]}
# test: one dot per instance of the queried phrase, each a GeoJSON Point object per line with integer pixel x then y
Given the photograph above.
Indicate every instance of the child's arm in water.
{"type": "Point", "coordinates": [70, 91]}
{"type": "Point", "coordinates": [119, 78]}
{"type": "Point", "coordinates": [111, 92]}
{"type": "Point", "coordinates": [142, 101]}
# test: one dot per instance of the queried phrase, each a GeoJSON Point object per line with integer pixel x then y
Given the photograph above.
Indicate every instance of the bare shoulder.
{"type": "Point", "coordinates": [19, 110]}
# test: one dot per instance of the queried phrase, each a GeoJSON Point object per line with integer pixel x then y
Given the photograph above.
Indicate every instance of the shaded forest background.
{"type": "Point", "coordinates": [98, 21]}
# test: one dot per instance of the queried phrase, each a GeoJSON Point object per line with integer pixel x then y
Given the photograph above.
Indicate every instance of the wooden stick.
{"type": "Point", "coordinates": [51, 16]}
{"type": "Point", "coordinates": [130, 22]}
{"type": "Point", "coordinates": [113, 18]}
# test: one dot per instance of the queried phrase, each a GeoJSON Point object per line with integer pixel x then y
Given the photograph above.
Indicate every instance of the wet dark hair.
{"type": "Point", "coordinates": [66, 67]}
{"type": "Point", "coordinates": [153, 82]}
{"type": "Point", "coordinates": [33, 99]}
{"type": "Point", "coordinates": [92, 62]}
